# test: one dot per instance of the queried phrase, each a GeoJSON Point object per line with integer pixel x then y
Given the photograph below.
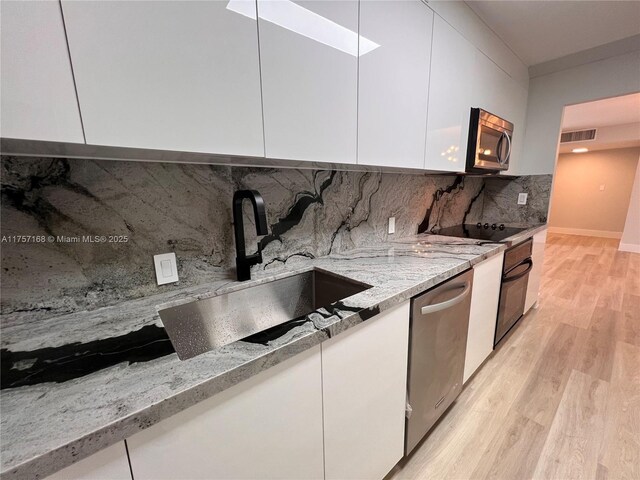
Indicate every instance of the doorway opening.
{"type": "Point", "coordinates": [596, 185]}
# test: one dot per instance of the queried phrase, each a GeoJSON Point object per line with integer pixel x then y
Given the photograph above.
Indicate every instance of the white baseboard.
{"type": "Point", "coordinates": [585, 232]}
{"type": "Point", "coordinates": [629, 247]}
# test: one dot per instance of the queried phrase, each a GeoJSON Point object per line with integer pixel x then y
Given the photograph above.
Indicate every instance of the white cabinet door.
{"type": "Point", "coordinates": [491, 89]}
{"type": "Point", "coordinates": [167, 75]}
{"type": "Point", "coordinates": [309, 62]}
{"type": "Point", "coordinates": [498, 93]}
{"type": "Point", "coordinates": [38, 100]}
{"type": "Point", "coordinates": [268, 426]}
{"type": "Point", "coordinates": [450, 99]}
{"type": "Point", "coordinates": [108, 464]}
{"type": "Point", "coordinates": [537, 255]}
{"type": "Point", "coordinates": [394, 83]}
{"type": "Point", "coordinates": [518, 112]}
{"type": "Point", "coordinates": [487, 276]}
{"type": "Point", "coordinates": [364, 372]}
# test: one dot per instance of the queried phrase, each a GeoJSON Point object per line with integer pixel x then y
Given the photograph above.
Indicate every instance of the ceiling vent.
{"type": "Point", "coordinates": [578, 136]}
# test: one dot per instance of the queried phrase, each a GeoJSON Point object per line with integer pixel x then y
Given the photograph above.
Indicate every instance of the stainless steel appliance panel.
{"type": "Point", "coordinates": [438, 341]}
{"type": "Point", "coordinates": [489, 144]}
{"type": "Point", "coordinates": [513, 292]}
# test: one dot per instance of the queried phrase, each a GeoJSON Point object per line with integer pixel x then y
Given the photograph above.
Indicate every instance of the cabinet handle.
{"type": "Point", "coordinates": [436, 307]}
{"type": "Point", "coordinates": [528, 262]}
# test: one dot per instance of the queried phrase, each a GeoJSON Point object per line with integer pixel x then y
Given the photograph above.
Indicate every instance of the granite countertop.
{"type": "Point", "coordinates": [92, 400]}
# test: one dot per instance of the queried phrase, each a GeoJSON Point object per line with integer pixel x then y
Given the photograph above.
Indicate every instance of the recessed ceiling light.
{"type": "Point", "coordinates": [302, 21]}
{"type": "Point", "coordinates": [580, 150]}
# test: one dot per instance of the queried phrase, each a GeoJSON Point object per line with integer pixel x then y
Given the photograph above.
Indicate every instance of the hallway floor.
{"type": "Point", "coordinates": [560, 398]}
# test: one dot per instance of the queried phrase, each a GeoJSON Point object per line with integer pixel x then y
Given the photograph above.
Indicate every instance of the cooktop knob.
{"type": "Point", "coordinates": [479, 225]}
{"type": "Point", "coordinates": [494, 226]}
{"type": "Point", "coordinates": [486, 225]}
{"type": "Point", "coordinates": [501, 227]}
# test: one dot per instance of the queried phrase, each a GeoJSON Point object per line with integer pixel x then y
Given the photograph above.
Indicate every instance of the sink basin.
{"type": "Point", "coordinates": [203, 325]}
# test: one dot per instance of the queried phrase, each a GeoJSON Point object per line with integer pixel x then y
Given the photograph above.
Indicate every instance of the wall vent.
{"type": "Point", "coordinates": [578, 136]}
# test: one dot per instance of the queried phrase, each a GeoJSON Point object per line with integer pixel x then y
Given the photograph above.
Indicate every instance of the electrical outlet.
{"type": "Point", "coordinates": [601, 188]}
{"type": "Point", "coordinates": [392, 224]}
{"type": "Point", "coordinates": [522, 198]}
{"type": "Point", "coordinates": [166, 268]}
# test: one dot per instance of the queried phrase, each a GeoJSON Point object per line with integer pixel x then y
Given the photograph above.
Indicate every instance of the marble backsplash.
{"type": "Point", "coordinates": [149, 208]}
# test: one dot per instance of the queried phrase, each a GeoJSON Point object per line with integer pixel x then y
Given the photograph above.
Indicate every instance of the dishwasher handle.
{"type": "Point", "coordinates": [437, 307]}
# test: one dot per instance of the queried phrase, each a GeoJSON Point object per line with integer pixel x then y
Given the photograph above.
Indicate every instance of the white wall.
{"type": "Point", "coordinates": [579, 206]}
{"type": "Point", "coordinates": [548, 95]}
{"type": "Point", "coordinates": [630, 241]}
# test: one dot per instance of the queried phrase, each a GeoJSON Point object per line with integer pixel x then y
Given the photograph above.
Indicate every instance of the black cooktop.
{"type": "Point", "coordinates": [492, 232]}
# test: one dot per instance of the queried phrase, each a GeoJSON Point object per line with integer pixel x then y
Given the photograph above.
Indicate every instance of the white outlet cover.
{"type": "Point", "coordinates": [522, 198]}
{"type": "Point", "coordinates": [392, 224]}
{"type": "Point", "coordinates": [166, 268]}
{"type": "Point", "coordinates": [601, 188]}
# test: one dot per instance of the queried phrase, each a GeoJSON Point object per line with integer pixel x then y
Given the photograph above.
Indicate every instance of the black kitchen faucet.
{"type": "Point", "coordinates": [244, 261]}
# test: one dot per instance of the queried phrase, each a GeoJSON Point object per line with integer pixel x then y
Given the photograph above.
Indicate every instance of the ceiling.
{"type": "Point", "coordinates": [617, 121]}
{"type": "Point", "coordinates": [602, 113]}
{"type": "Point", "coordinates": [543, 30]}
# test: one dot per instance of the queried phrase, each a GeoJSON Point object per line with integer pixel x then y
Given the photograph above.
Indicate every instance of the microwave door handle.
{"type": "Point", "coordinates": [528, 261]}
{"type": "Point", "coordinates": [436, 307]}
{"type": "Point", "coordinates": [498, 148]}
{"type": "Point", "coordinates": [508, 147]}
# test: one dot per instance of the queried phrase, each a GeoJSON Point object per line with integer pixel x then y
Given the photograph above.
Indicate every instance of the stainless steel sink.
{"type": "Point", "coordinates": [203, 325]}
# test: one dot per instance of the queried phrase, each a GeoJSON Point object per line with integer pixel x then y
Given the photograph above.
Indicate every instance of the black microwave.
{"type": "Point", "coordinates": [489, 145]}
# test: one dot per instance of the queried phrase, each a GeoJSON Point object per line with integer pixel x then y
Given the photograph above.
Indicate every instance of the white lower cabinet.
{"type": "Point", "coordinates": [364, 374]}
{"type": "Point", "coordinates": [487, 277]}
{"type": "Point", "coordinates": [335, 411]}
{"type": "Point", "coordinates": [108, 464]}
{"type": "Point", "coordinates": [269, 426]}
{"type": "Point", "coordinates": [537, 255]}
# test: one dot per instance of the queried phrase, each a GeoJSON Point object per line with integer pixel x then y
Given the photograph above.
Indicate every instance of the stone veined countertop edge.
{"type": "Point", "coordinates": [82, 447]}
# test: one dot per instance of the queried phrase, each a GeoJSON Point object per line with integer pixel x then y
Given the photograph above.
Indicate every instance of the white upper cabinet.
{"type": "Point", "coordinates": [38, 96]}
{"type": "Point", "coordinates": [450, 98]}
{"type": "Point", "coordinates": [498, 93]}
{"type": "Point", "coordinates": [309, 63]}
{"type": "Point", "coordinates": [168, 75]}
{"type": "Point", "coordinates": [394, 83]}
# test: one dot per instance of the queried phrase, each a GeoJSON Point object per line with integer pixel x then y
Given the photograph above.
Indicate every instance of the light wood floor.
{"type": "Point", "coordinates": [560, 398]}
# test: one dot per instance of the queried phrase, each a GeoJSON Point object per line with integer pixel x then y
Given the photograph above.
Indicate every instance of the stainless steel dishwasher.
{"type": "Point", "coordinates": [437, 346]}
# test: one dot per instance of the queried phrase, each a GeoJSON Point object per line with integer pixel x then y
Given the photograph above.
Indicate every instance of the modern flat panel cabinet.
{"type": "Point", "coordinates": [450, 98]}
{"type": "Point", "coordinates": [110, 463]}
{"type": "Point", "coordinates": [309, 63]}
{"type": "Point", "coordinates": [487, 276]}
{"type": "Point", "coordinates": [38, 100]}
{"type": "Point", "coordinates": [394, 83]}
{"type": "Point", "coordinates": [537, 255]}
{"type": "Point", "coordinates": [167, 75]}
{"type": "Point", "coordinates": [364, 373]}
{"type": "Point", "coordinates": [498, 93]}
{"type": "Point", "coordinates": [268, 426]}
